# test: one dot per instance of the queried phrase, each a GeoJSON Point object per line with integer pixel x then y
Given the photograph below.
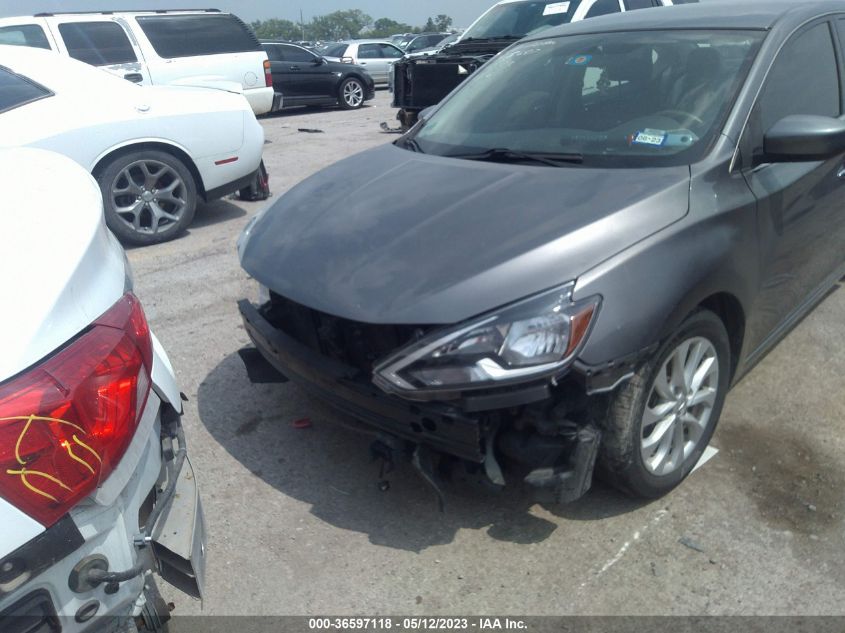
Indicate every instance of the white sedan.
{"type": "Point", "coordinates": [154, 150]}
{"type": "Point", "coordinates": [95, 485]}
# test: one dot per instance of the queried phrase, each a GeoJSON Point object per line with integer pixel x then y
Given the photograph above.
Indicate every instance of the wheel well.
{"type": "Point", "coordinates": [162, 147]}
{"type": "Point", "coordinates": [728, 308]}
{"type": "Point", "coordinates": [352, 76]}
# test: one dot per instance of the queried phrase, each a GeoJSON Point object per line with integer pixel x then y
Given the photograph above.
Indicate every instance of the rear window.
{"type": "Point", "coordinates": [97, 43]}
{"type": "Point", "coordinates": [336, 50]}
{"type": "Point", "coordinates": [24, 35]}
{"type": "Point", "coordinates": [16, 90]}
{"type": "Point", "coordinates": [192, 35]}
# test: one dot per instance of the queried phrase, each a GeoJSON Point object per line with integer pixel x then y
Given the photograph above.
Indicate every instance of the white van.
{"type": "Point", "coordinates": [189, 48]}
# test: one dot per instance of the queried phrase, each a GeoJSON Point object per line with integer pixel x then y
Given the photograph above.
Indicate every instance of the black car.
{"type": "Point", "coordinates": [307, 79]}
{"type": "Point", "coordinates": [574, 257]}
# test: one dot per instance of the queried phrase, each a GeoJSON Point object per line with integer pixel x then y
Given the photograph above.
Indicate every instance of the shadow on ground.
{"type": "Point", "coordinates": [208, 214]}
{"type": "Point", "coordinates": [215, 212]}
{"type": "Point", "coordinates": [328, 466]}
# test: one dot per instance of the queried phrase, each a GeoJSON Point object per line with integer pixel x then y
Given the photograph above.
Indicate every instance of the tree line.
{"type": "Point", "coordinates": [343, 25]}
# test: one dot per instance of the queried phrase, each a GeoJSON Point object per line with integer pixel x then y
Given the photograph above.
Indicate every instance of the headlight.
{"type": "Point", "coordinates": [531, 339]}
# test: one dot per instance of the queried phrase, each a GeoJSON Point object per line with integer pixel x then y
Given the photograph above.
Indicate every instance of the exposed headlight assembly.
{"type": "Point", "coordinates": [532, 339]}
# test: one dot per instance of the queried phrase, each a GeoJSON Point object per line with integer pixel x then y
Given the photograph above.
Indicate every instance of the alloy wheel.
{"type": "Point", "coordinates": [680, 406]}
{"type": "Point", "coordinates": [353, 94]}
{"type": "Point", "coordinates": [149, 196]}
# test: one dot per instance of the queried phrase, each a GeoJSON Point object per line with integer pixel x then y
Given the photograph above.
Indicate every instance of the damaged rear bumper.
{"type": "Point", "coordinates": [530, 427]}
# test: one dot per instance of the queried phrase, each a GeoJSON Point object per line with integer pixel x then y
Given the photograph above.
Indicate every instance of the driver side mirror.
{"type": "Point", "coordinates": [804, 138]}
{"type": "Point", "coordinates": [319, 61]}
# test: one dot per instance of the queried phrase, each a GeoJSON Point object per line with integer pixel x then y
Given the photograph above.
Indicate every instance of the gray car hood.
{"type": "Point", "coordinates": [392, 236]}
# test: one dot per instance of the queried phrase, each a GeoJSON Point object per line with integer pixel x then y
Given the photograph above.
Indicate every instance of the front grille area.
{"type": "Point", "coordinates": [358, 345]}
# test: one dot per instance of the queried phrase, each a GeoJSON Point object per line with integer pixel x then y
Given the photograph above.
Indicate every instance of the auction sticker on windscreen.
{"type": "Point", "coordinates": [555, 8]}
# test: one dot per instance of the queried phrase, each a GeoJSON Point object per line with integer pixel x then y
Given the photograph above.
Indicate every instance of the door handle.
{"type": "Point", "coordinates": [294, 67]}
{"type": "Point", "coordinates": [363, 63]}
{"type": "Point", "coordinates": [135, 78]}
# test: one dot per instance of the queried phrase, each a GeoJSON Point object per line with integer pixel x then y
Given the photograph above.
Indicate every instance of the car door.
{"type": "Point", "coordinates": [801, 205]}
{"type": "Point", "coordinates": [105, 43]}
{"type": "Point", "coordinates": [312, 74]}
{"type": "Point", "coordinates": [279, 71]}
{"type": "Point", "coordinates": [369, 56]}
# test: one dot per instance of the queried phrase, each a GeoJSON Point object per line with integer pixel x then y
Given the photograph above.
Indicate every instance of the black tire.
{"type": "Point", "coordinates": [621, 461]}
{"type": "Point", "coordinates": [113, 178]}
{"type": "Point", "coordinates": [259, 187]}
{"type": "Point", "coordinates": [343, 97]}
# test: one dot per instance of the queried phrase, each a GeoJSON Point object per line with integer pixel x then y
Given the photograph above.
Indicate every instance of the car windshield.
{"type": "Point", "coordinates": [518, 19]}
{"type": "Point", "coordinates": [638, 98]}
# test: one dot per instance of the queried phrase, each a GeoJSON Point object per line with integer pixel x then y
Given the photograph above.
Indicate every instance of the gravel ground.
{"type": "Point", "coordinates": [297, 525]}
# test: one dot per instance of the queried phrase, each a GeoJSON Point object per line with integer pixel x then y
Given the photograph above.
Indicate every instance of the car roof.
{"type": "Point", "coordinates": [715, 14]}
{"type": "Point", "coordinates": [130, 12]}
{"type": "Point", "coordinates": [367, 42]}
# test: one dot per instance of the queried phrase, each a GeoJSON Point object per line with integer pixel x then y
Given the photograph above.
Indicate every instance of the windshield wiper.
{"type": "Point", "coordinates": [505, 155]}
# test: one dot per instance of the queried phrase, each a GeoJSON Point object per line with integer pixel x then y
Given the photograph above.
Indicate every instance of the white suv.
{"type": "Point", "coordinates": [189, 48]}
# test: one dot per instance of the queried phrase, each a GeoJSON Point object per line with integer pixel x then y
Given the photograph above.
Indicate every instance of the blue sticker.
{"type": "Point", "coordinates": [655, 138]}
{"type": "Point", "coordinates": [579, 60]}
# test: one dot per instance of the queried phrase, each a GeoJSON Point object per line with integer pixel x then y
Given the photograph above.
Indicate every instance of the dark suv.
{"type": "Point", "coordinates": [307, 79]}
{"type": "Point", "coordinates": [579, 252]}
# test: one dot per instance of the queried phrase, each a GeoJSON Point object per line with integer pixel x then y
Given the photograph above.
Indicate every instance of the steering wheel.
{"type": "Point", "coordinates": [682, 117]}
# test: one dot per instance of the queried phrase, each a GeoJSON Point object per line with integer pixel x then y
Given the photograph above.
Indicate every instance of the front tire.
{"type": "Point", "coordinates": [149, 197]}
{"type": "Point", "coordinates": [659, 424]}
{"type": "Point", "coordinates": [351, 94]}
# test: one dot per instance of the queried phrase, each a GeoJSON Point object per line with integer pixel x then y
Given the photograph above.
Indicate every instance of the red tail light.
{"type": "Point", "coordinates": [66, 423]}
{"type": "Point", "coordinates": [268, 75]}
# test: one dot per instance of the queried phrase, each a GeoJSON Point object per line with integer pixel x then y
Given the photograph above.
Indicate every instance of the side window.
{"type": "Point", "coordinates": [16, 90]}
{"type": "Point", "coordinates": [296, 54]}
{"type": "Point", "coordinates": [603, 7]}
{"type": "Point", "coordinates": [791, 89]}
{"type": "Point", "coordinates": [274, 53]}
{"type": "Point", "coordinates": [24, 35]}
{"type": "Point", "coordinates": [638, 4]}
{"type": "Point", "coordinates": [97, 43]}
{"type": "Point", "coordinates": [192, 35]}
{"type": "Point", "coordinates": [369, 51]}
{"type": "Point", "coordinates": [391, 52]}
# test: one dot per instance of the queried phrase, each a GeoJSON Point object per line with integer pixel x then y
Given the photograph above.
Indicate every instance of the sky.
{"type": "Point", "coordinates": [413, 12]}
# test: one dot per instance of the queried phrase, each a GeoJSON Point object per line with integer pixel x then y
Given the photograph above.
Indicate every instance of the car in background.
{"type": "Point", "coordinates": [419, 83]}
{"type": "Point", "coordinates": [401, 39]}
{"type": "Point", "coordinates": [156, 151]}
{"type": "Point", "coordinates": [376, 56]}
{"type": "Point", "coordinates": [433, 50]}
{"type": "Point", "coordinates": [308, 79]}
{"type": "Point", "coordinates": [573, 258]}
{"type": "Point", "coordinates": [96, 489]}
{"type": "Point", "coordinates": [424, 41]}
{"type": "Point", "coordinates": [188, 48]}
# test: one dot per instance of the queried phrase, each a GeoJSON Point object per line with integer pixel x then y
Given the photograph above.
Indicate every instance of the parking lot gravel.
{"type": "Point", "coordinates": [297, 524]}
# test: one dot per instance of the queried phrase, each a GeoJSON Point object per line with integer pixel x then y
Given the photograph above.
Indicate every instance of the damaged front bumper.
{"type": "Point", "coordinates": [544, 429]}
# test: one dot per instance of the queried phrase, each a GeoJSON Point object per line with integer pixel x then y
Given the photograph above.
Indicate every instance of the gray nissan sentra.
{"type": "Point", "coordinates": [569, 263]}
